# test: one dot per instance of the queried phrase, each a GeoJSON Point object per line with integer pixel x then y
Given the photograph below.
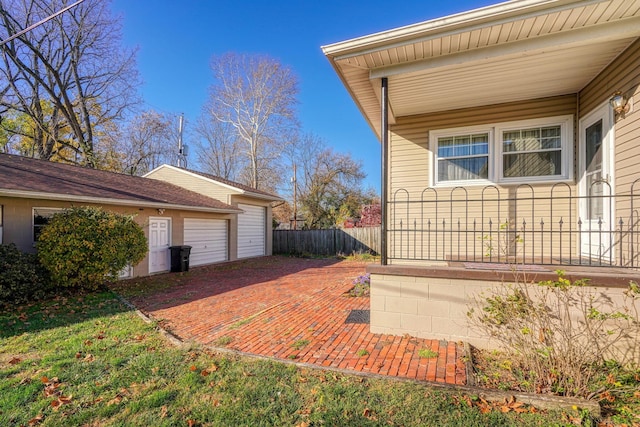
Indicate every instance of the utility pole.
{"type": "Point", "coordinates": [182, 149]}
{"type": "Point", "coordinates": [295, 198]}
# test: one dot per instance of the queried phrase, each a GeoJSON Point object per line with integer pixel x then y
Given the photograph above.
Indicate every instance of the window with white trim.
{"type": "Point", "coordinates": [463, 157]}
{"type": "Point", "coordinates": [538, 150]}
{"type": "Point", "coordinates": [41, 217]}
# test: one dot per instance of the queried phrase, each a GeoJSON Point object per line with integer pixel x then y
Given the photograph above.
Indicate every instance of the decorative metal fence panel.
{"type": "Point", "coordinates": [548, 225]}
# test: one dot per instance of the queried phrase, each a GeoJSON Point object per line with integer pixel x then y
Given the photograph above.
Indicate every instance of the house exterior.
{"type": "Point", "coordinates": [250, 233]}
{"type": "Point", "coordinates": [31, 191]}
{"type": "Point", "coordinates": [501, 147]}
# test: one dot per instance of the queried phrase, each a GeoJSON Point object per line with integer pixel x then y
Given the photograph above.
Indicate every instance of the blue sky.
{"type": "Point", "coordinates": [176, 40]}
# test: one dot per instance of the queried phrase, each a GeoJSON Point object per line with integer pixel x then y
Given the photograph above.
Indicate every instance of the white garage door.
{"type": "Point", "coordinates": [208, 240]}
{"type": "Point", "coordinates": [251, 231]}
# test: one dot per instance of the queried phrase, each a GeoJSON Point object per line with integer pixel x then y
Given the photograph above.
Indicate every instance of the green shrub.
{"type": "Point", "coordinates": [21, 276]}
{"type": "Point", "coordinates": [84, 246]}
{"type": "Point", "coordinates": [560, 333]}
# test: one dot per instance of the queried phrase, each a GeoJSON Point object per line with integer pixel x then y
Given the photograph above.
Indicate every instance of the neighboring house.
{"type": "Point", "coordinates": [31, 191]}
{"type": "Point", "coordinates": [251, 233]}
{"type": "Point", "coordinates": [501, 146]}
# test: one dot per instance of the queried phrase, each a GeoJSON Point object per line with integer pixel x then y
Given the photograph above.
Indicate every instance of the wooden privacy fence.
{"type": "Point", "coordinates": [327, 242]}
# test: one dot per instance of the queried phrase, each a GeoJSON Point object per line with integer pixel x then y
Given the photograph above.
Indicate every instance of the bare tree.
{"type": "Point", "coordinates": [147, 141]}
{"type": "Point", "coordinates": [329, 184]}
{"type": "Point", "coordinates": [219, 149]}
{"type": "Point", "coordinates": [257, 96]}
{"type": "Point", "coordinates": [74, 65]}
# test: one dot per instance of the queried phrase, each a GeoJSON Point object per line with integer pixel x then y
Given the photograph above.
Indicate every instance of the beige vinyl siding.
{"type": "Point", "coordinates": [194, 183]}
{"type": "Point", "coordinates": [622, 74]}
{"type": "Point", "coordinates": [409, 139]}
{"type": "Point", "coordinates": [456, 228]}
{"type": "Point", "coordinates": [18, 221]}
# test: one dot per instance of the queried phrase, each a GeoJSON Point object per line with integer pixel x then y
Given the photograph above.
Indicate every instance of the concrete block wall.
{"type": "Point", "coordinates": [436, 307]}
{"type": "Point", "coordinates": [425, 307]}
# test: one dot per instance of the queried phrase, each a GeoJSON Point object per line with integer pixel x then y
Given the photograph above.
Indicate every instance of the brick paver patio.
{"type": "Point", "coordinates": [293, 309]}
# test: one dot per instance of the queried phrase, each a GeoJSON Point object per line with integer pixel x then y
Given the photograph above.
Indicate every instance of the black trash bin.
{"type": "Point", "coordinates": [180, 258]}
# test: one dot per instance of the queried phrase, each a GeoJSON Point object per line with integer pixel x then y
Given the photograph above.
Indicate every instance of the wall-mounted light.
{"type": "Point", "coordinates": [160, 211]}
{"type": "Point", "coordinates": [619, 103]}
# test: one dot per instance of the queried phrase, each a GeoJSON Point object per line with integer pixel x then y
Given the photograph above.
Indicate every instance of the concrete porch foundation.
{"type": "Point", "coordinates": [432, 302]}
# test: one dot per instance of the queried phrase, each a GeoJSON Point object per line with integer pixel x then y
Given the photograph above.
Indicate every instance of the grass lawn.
{"type": "Point", "coordinates": [89, 360]}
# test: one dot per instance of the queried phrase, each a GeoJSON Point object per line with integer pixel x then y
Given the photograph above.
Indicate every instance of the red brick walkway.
{"type": "Point", "coordinates": [294, 309]}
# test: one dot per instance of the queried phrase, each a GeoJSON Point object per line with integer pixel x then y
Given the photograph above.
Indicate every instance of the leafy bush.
{"type": "Point", "coordinates": [560, 333]}
{"type": "Point", "coordinates": [84, 246]}
{"type": "Point", "coordinates": [21, 276]}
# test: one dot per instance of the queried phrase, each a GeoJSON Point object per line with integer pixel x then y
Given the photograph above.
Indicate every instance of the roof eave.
{"type": "Point", "coordinates": [109, 201]}
{"type": "Point", "coordinates": [435, 27]}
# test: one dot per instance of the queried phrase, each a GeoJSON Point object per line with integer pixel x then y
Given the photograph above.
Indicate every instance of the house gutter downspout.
{"type": "Point", "coordinates": [384, 137]}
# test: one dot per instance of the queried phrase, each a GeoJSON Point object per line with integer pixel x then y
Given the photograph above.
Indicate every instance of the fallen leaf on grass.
{"type": "Point", "coordinates": [115, 400]}
{"type": "Point", "coordinates": [303, 424]}
{"type": "Point", "coordinates": [193, 368]}
{"type": "Point", "coordinates": [61, 400]}
{"type": "Point", "coordinates": [89, 358]}
{"type": "Point", "coordinates": [191, 422]}
{"type": "Point", "coordinates": [15, 361]}
{"type": "Point", "coordinates": [36, 420]}
{"type": "Point", "coordinates": [164, 411]}
{"type": "Point", "coordinates": [367, 413]}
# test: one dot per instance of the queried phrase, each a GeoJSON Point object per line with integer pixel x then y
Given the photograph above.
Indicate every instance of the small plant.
{"type": "Point", "coordinates": [560, 333]}
{"type": "Point", "coordinates": [427, 353]}
{"type": "Point", "coordinates": [362, 352]}
{"type": "Point", "coordinates": [300, 344]}
{"type": "Point", "coordinates": [361, 286]}
{"type": "Point", "coordinates": [224, 341]}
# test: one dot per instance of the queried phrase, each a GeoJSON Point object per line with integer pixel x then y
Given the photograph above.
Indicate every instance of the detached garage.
{"type": "Point", "coordinates": [252, 224]}
{"type": "Point", "coordinates": [208, 238]}
{"type": "Point", "coordinates": [247, 234]}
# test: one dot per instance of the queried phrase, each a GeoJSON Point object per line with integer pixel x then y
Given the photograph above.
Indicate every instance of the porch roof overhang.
{"type": "Point", "coordinates": [512, 51]}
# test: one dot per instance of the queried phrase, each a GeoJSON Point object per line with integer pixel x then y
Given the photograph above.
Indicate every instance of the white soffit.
{"type": "Point", "coordinates": [512, 51]}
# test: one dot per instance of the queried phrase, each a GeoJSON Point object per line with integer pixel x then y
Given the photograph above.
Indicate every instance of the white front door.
{"type": "Point", "coordinates": [596, 185]}
{"type": "Point", "coordinates": [159, 242]}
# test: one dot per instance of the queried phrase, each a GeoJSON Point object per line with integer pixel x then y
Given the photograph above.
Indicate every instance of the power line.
{"type": "Point", "coordinates": [37, 24]}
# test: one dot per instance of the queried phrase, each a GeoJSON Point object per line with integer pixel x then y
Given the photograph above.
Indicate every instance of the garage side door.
{"type": "Point", "coordinates": [251, 231]}
{"type": "Point", "coordinates": [208, 240]}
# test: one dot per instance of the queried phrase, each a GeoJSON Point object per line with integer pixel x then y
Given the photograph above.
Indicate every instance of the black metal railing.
{"type": "Point", "coordinates": [549, 225]}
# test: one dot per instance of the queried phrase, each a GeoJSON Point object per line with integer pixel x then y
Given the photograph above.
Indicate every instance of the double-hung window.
{"type": "Point", "coordinates": [537, 150]}
{"type": "Point", "coordinates": [463, 157]}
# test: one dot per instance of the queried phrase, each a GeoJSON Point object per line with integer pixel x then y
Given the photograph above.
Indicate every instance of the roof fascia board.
{"type": "Point", "coordinates": [108, 201]}
{"type": "Point", "coordinates": [605, 32]}
{"type": "Point", "coordinates": [451, 25]}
